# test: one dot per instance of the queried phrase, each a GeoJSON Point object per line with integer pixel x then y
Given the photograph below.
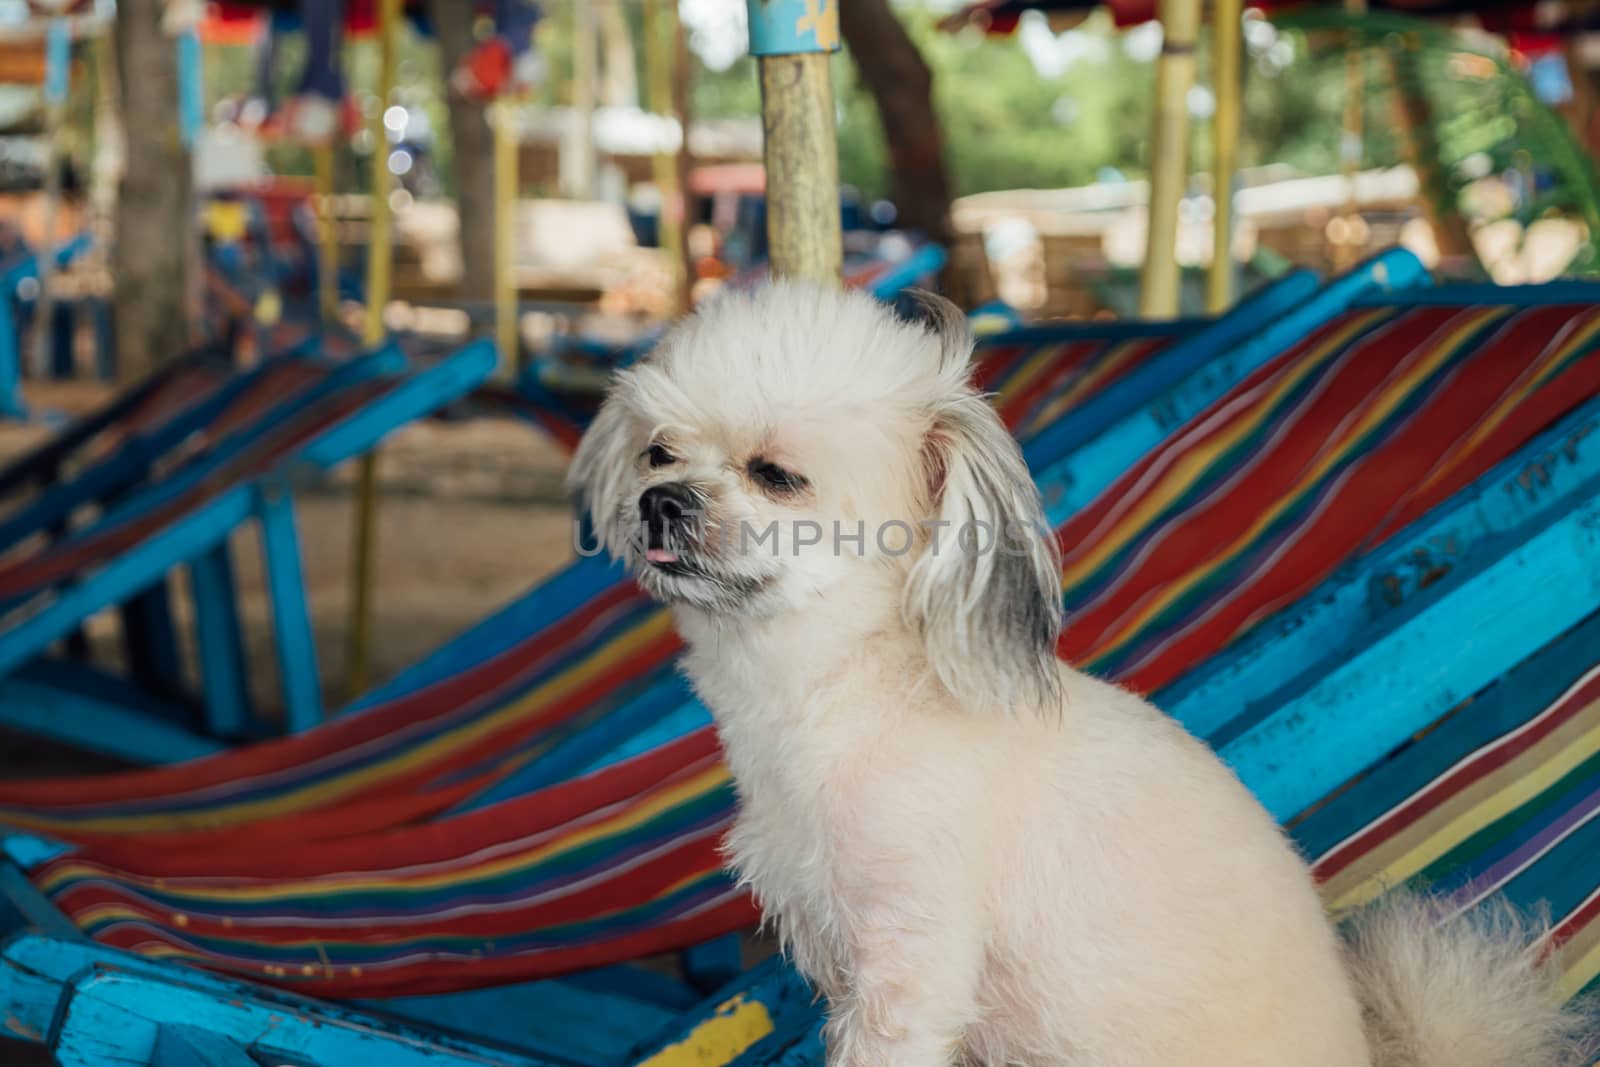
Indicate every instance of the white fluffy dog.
{"type": "Point", "coordinates": [976, 853]}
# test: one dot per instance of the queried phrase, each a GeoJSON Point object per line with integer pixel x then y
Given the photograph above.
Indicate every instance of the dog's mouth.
{"type": "Point", "coordinates": [671, 562]}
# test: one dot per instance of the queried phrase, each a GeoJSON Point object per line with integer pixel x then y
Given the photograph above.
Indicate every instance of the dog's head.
{"type": "Point", "coordinates": [778, 444]}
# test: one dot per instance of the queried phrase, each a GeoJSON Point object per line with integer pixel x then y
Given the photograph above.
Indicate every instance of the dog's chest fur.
{"type": "Point", "coordinates": [802, 755]}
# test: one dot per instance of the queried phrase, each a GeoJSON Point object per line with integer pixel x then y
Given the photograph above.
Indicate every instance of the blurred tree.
{"type": "Point", "coordinates": [472, 144]}
{"type": "Point", "coordinates": [892, 69]}
{"type": "Point", "coordinates": [154, 248]}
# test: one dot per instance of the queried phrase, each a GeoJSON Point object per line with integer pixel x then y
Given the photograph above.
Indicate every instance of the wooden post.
{"type": "Point", "coordinates": [380, 265]}
{"type": "Point", "coordinates": [577, 154]}
{"type": "Point", "coordinates": [1228, 39]}
{"type": "Point", "coordinates": [1169, 163]}
{"type": "Point", "coordinates": [327, 233]}
{"type": "Point", "coordinates": [792, 40]}
{"type": "Point", "coordinates": [58, 66]}
{"type": "Point", "coordinates": [662, 31]}
{"type": "Point", "coordinates": [503, 120]}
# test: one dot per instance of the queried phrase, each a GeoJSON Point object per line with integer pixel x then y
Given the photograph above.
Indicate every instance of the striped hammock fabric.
{"type": "Point", "coordinates": [282, 408]}
{"type": "Point", "coordinates": [1323, 451]}
{"type": "Point", "coordinates": [447, 741]}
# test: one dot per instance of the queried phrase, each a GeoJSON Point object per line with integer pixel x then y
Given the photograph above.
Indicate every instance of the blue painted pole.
{"type": "Point", "coordinates": [291, 618]}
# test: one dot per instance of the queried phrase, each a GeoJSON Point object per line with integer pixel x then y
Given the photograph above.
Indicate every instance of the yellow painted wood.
{"type": "Point", "coordinates": [1169, 159]}
{"type": "Point", "coordinates": [1228, 41]}
{"type": "Point", "coordinates": [503, 121]}
{"type": "Point", "coordinates": [661, 34]}
{"type": "Point", "coordinates": [720, 1039]}
{"type": "Point", "coordinates": [380, 266]}
{"type": "Point", "coordinates": [802, 159]}
{"type": "Point", "coordinates": [327, 234]}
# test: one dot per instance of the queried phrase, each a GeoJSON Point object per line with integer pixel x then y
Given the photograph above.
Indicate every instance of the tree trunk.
{"type": "Point", "coordinates": [901, 85]}
{"type": "Point", "coordinates": [474, 153]}
{"type": "Point", "coordinates": [153, 251]}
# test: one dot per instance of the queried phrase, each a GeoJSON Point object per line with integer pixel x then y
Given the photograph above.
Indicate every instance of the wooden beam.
{"type": "Point", "coordinates": [792, 40]}
{"type": "Point", "coordinates": [1169, 162]}
{"type": "Point", "coordinates": [1228, 85]}
{"type": "Point", "coordinates": [380, 278]}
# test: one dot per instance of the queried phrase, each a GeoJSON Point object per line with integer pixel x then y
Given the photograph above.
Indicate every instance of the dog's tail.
{"type": "Point", "coordinates": [1468, 990]}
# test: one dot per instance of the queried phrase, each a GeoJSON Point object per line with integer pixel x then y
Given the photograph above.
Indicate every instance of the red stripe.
{"type": "Point", "coordinates": [334, 737]}
{"type": "Point", "coordinates": [432, 842]}
{"type": "Point", "coordinates": [1474, 768]}
{"type": "Point", "coordinates": [1360, 502]}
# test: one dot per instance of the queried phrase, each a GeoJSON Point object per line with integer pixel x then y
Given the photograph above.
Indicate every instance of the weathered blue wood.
{"type": "Point", "coordinates": [365, 368]}
{"type": "Point", "coordinates": [1071, 482]}
{"type": "Point", "coordinates": [927, 259]}
{"type": "Point", "coordinates": [28, 851]}
{"type": "Point", "coordinates": [559, 1019]}
{"type": "Point", "coordinates": [118, 728]}
{"type": "Point", "coordinates": [1539, 481]}
{"type": "Point", "coordinates": [712, 964]}
{"type": "Point", "coordinates": [224, 670]}
{"type": "Point", "coordinates": [418, 395]}
{"type": "Point", "coordinates": [125, 575]}
{"type": "Point", "coordinates": [150, 642]}
{"type": "Point", "coordinates": [110, 1018]}
{"type": "Point", "coordinates": [789, 27]}
{"type": "Point", "coordinates": [11, 405]}
{"type": "Point", "coordinates": [291, 616]}
{"type": "Point", "coordinates": [553, 1019]}
{"type": "Point", "coordinates": [1300, 743]}
{"type": "Point", "coordinates": [790, 1008]}
{"type": "Point", "coordinates": [116, 473]}
{"type": "Point", "coordinates": [40, 465]}
{"type": "Point", "coordinates": [1561, 291]}
{"type": "Point", "coordinates": [183, 1045]}
{"type": "Point", "coordinates": [34, 905]}
{"type": "Point", "coordinates": [207, 527]}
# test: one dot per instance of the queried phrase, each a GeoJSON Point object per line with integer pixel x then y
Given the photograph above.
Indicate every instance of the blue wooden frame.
{"type": "Point", "coordinates": [198, 539]}
{"type": "Point", "coordinates": [20, 270]}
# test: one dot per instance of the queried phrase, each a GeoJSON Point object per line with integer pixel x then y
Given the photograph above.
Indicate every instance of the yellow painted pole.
{"type": "Point", "coordinates": [503, 119]}
{"type": "Point", "coordinates": [792, 40]}
{"type": "Point", "coordinates": [1228, 40]}
{"type": "Point", "coordinates": [327, 233]}
{"type": "Point", "coordinates": [661, 33]}
{"type": "Point", "coordinates": [380, 265]}
{"type": "Point", "coordinates": [1169, 160]}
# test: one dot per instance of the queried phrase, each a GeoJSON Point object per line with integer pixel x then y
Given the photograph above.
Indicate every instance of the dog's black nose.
{"type": "Point", "coordinates": [665, 508]}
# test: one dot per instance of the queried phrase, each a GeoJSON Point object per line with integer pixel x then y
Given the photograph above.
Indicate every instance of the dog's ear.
{"type": "Point", "coordinates": [985, 590]}
{"type": "Point", "coordinates": [600, 467]}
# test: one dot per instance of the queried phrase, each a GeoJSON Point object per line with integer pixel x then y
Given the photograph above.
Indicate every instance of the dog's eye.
{"type": "Point", "coordinates": [775, 477]}
{"type": "Point", "coordinates": [659, 456]}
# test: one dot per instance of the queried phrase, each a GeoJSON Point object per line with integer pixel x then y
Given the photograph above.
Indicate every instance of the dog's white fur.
{"type": "Point", "coordinates": [977, 854]}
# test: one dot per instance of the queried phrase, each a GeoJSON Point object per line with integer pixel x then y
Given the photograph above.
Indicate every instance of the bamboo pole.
{"type": "Point", "coordinates": [1169, 165]}
{"type": "Point", "coordinates": [578, 155]}
{"type": "Point", "coordinates": [661, 45]}
{"type": "Point", "coordinates": [1228, 38]}
{"type": "Point", "coordinates": [792, 40]}
{"type": "Point", "coordinates": [503, 122]}
{"type": "Point", "coordinates": [380, 265]}
{"type": "Point", "coordinates": [327, 233]}
{"type": "Point", "coordinates": [58, 67]}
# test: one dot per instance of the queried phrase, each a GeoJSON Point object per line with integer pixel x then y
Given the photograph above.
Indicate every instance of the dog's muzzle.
{"type": "Point", "coordinates": [670, 515]}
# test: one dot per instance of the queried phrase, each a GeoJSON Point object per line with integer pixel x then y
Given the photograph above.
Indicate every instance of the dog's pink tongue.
{"type": "Point", "coordinates": [660, 555]}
